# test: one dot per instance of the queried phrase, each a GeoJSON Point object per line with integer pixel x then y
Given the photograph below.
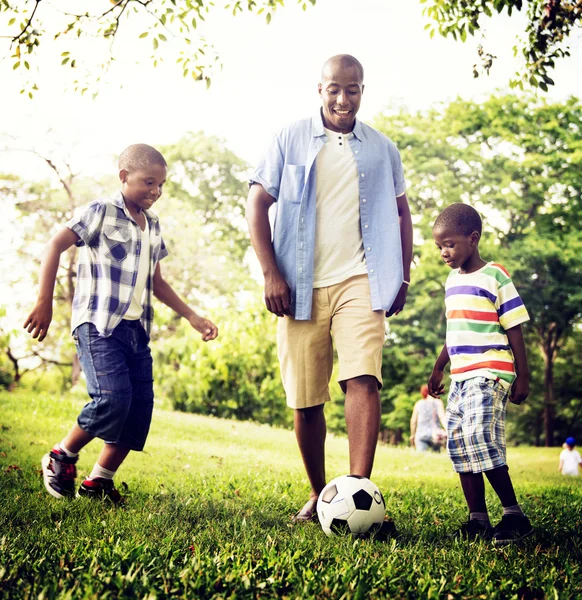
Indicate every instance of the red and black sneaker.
{"type": "Point", "coordinates": [59, 472]}
{"type": "Point", "coordinates": [100, 489]}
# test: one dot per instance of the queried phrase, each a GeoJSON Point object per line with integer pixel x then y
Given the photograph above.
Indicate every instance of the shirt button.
{"type": "Point", "coordinates": [357, 151]}
{"type": "Point", "coordinates": [301, 269]}
{"type": "Point", "coordinates": [371, 270]}
{"type": "Point", "coordinates": [364, 200]}
{"type": "Point", "coordinates": [362, 174]}
{"type": "Point", "coordinates": [302, 244]}
{"type": "Point", "coordinates": [366, 226]}
{"type": "Point", "coordinates": [302, 220]}
{"type": "Point", "coordinates": [368, 248]}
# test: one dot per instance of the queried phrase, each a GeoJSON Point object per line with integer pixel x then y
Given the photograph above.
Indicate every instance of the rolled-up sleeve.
{"type": "Point", "coordinates": [397, 171]}
{"type": "Point", "coordinates": [88, 223]}
{"type": "Point", "coordinates": [270, 169]}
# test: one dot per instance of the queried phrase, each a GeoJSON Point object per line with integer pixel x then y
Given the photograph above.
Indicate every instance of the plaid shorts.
{"type": "Point", "coordinates": [476, 425]}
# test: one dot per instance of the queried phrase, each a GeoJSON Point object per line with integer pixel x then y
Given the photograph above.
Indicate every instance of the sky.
{"type": "Point", "coordinates": [269, 77]}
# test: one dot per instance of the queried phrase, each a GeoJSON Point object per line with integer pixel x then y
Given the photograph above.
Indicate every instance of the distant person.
{"type": "Point", "coordinates": [488, 365]}
{"type": "Point", "coordinates": [427, 424]}
{"type": "Point", "coordinates": [338, 260]}
{"type": "Point", "coordinates": [569, 458]}
{"type": "Point", "coordinates": [118, 273]}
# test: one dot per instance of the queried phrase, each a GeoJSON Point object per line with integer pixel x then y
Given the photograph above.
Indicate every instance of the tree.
{"type": "Point", "coordinates": [519, 162]}
{"type": "Point", "coordinates": [160, 24]}
{"type": "Point", "coordinates": [550, 23]}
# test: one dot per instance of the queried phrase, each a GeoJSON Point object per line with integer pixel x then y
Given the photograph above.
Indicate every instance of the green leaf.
{"type": "Point", "coordinates": [144, 34]}
{"type": "Point", "coordinates": [268, 18]}
{"type": "Point", "coordinates": [65, 60]}
{"type": "Point", "coordinates": [156, 43]}
{"type": "Point", "coordinates": [16, 65]}
{"type": "Point", "coordinates": [12, 21]}
{"type": "Point", "coordinates": [162, 37]}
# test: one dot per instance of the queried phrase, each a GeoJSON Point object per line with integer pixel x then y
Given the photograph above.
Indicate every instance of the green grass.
{"type": "Point", "coordinates": [208, 513]}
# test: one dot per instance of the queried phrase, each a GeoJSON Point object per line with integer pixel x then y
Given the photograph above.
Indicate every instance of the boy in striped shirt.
{"type": "Point", "coordinates": [484, 343]}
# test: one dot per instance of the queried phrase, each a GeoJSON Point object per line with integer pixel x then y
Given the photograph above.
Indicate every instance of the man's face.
{"type": "Point", "coordinates": [142, 188]}
{"type": "Point", "coordinates": [455, 249]}
{"type": "Point", "coordinates": [341, 93]}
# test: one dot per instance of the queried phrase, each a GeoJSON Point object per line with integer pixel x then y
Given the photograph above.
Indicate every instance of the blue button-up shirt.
{"type": "Point", "coordinates": [287, 172]}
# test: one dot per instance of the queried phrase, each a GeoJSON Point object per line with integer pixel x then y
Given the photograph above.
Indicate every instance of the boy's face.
{"type": "Point", "coordinates": [341, 94]}
{"type": "Point", "coordinates": [456, 250]}
{"type": "Point", "coordinates": [142, 188]}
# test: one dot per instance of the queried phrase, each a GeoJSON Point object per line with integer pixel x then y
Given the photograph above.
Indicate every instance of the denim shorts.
{"type": "Point", "coordinates": [118, 370]}
{"type": "Point", "coordinates": [476, 425]}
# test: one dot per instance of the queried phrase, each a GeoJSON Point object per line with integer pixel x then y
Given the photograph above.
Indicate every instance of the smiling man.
{"type": "Point", "coordinates": [338, 259]}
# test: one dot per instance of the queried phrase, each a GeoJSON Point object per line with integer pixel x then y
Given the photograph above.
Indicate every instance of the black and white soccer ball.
{"type": "Point", "coordinates": [350, 504]}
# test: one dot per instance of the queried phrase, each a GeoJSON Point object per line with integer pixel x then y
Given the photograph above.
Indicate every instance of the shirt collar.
{"type": "Point", "coordinates": [120, 203]}
{"type": "Point", "coordinates": [318, 131]}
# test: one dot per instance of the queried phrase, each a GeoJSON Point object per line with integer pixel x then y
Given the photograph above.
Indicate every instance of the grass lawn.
{"type": "Point", "coordinates": [207, 516]}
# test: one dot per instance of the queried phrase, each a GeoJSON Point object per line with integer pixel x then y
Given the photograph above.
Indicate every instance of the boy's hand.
{"type": "Point", "coordinates": [519, 390]}
{"type": "Point", "coordinates": [38, 321]}
{"type": "Point", "coordinates": [207, 328]}
{"type": "Point", "coordinates": [435, 387]}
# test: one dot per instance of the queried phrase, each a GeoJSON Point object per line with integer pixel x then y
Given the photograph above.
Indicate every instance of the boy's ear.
{"type": "Point", "coordinates": [475, 237]}
{"type": "Point", "coordinates": [123, 175]}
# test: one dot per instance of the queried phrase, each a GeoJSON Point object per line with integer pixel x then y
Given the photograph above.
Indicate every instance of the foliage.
{"type": "Point", "coordinates": [207, 516]}
{"type": "Point", "coordinates": [159, 25]}
{"type": "Point", "coordinates": [549, 24]}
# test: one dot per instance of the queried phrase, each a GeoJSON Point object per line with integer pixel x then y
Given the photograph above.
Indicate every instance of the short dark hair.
{"type": "Point", "coordinates": [140, 156]}
{"type": "Point", "coordinates": [459, 218]}
{"type": "Point", "coordinates": [345, 60]}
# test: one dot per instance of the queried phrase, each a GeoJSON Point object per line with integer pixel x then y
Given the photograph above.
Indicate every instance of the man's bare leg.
{"type": "Point", "coordinates": [362, 411]}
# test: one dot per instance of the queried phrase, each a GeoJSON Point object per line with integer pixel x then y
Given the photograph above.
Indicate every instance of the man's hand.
{"type": "Point", "coordinates": [277, 295]}
{"type": "Point", "coordinates": [435, 387]}
{"type": "Point", "coordinates": [38, 321]}
{"type": "Point", "coordinates": [207, 328]}
{"type": "Point", "coordinates": [399, 301]}
{"type": "Point", "coordinates": [519, 390]}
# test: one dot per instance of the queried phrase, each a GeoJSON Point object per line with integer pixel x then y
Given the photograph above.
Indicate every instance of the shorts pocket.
{"type": "Point", "coordinates": [292, 183]}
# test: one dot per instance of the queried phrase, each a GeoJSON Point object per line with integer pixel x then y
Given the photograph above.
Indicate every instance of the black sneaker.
{"type": "Point", "coordinates": [100, 489]}
{"type": "Point", "coordinates": [474, 529]}
{"type": "Point", "coordinates": [381, 533]}
{"type": "Point", "coordinates": [511, 529]}
{"type": "Point", "coordinates": [59, 472]}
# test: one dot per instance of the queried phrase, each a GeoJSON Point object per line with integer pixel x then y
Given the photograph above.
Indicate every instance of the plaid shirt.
{"type": "Point", "coordinates": [110, 243]}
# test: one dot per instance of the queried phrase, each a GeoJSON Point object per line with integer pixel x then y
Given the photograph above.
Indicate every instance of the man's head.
{"type": "Point", "coordinates": [570, 442]}
{"type": "Point", "coordinates": [142, 172]}
{"type": "Point", "coordinates": [341, 89]}
{"type": "Point", "coordinates": [456, 232]}
{"type": "Point", "coordinates": [424, 390]}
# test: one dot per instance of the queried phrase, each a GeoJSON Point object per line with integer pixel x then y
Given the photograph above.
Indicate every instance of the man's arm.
{"type": "Point", "coordinates": [164, 292]}
{"type": "Point", "coordinates": [277, 292]}
{"type": "Point", "coordinates": [520, 387]}
{"type": "Point", "coordinates": [405, 222]}
{"type": "Point", "coordinates": [38, 321]}
{"type": "Point", "coordinates": [435, 387]}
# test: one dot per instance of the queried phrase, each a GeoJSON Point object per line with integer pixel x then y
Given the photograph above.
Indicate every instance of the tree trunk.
{"type": "Point", "coordinates": [549, 400]}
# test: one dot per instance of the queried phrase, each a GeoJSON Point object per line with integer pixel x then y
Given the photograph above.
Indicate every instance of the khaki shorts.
{"type": "Point", "coordinates": [305, 347]}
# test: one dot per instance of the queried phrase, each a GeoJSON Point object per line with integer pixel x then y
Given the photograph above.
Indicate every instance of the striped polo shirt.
{"type": "Point", "coordinates": [480, 307]}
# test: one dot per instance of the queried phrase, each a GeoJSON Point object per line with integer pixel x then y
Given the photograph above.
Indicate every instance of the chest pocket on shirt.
{"type": "Point", "coordinates": [116, 242]}
{"type": "Point", "coordinates": [292, 183]}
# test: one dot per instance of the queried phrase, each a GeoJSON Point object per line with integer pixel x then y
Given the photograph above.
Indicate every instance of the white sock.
{"type": "Point", "coordinates": [99, 471]}
{"type": "Point", "coordinates": [513, 510]}
{"type": "Point", "coordinates": [70, 454]}
{"type": "Point", "coordinates": [482, 517]}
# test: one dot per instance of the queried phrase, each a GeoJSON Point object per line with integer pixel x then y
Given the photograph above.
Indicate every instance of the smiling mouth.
{"type": "Point", "coordinates": [342, 113]}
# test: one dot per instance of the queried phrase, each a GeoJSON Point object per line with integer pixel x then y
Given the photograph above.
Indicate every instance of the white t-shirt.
{"type": "Point", "coordinates": [339, 250]}
{"type": "Point", "coordinates": [135, 309]}
{"type": "Point", "coordinates": [570, 461]}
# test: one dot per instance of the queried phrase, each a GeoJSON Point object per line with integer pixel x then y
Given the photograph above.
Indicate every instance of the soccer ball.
{"type": "Point", "coordinates": [350, 504]}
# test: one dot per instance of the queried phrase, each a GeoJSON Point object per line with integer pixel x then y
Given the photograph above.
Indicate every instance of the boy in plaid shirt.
{"type": "Point", "coordinates": [118, 272]}
{"type": "Point", "coordinates": [488, 365]}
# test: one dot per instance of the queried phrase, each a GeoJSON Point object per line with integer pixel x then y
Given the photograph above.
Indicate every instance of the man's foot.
{"type": "Point", "coordinates": [511, 529]}
{"type": "Point", "coordinates": [474, 529]}
{"type": "Point", "coordinates": [307, 513]}
{"type": "Point", "coordinates": [100, 489]}
{"type": "Point", "coordinates": [58, 473]}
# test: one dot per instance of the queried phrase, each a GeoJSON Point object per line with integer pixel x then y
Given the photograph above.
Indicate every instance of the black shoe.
{"type": "Point", "coordinates": [474, 529]}
{"type": "Point", "coordinates": [100, 489]}
{"type": "Point", "coordinates": [59, 472]}
{"type": "Point", "coordinates": [511, 529]}
{"type": "Point", "coordinates": [381, 532]}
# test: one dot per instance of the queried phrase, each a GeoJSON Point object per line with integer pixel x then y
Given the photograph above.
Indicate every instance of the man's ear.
{"type": "Point", "coordinates": [123, 175]}
{"type": "Point", "coordinates": [319, 88]}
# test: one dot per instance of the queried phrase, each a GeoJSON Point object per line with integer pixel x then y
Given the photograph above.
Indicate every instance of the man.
{"type": "Point", "coordinates": [340, 257]}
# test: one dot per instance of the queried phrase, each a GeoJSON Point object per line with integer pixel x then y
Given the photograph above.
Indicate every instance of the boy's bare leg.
{"type": "Point", "coordinates": [473, 486]}
{"type": "Point", "coordinates": [501, 484]}
{"type": "Point", "coordinates": [362, 412]}
{"type": "Point", "coordinates": [77, 439]}
{"type": "Point", "coordinates": [310, 431]}
{"type": "Point", "coordinates": [112, 456]}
